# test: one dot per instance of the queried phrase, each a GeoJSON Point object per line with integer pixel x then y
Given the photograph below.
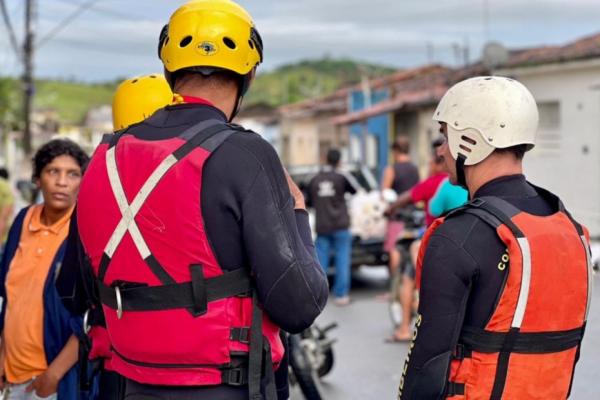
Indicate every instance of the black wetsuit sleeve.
{"type": "Point", "coordinates": [447, 274]}
{"type": "Point", "coordinates": [69, 283]}
{"type": "Point", "coordinates": [292, 287]}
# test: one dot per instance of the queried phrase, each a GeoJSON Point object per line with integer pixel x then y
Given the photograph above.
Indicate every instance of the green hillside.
{"type": "Point", "coordinates": [306, 79]}
{"type": "Point", "coordinates": [286, 84]}
{"type": "Point", "coordinates": [72, 100]}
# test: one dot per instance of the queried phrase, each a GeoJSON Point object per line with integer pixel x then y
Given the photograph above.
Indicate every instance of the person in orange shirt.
{"type": "Point", "coordinates": [39, 346]}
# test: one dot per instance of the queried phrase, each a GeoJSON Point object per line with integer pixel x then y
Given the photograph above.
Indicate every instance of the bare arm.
{"type": "Point", "coordinates": [404, 199]}
{"type": "Point", "coordinates": [388, 178]}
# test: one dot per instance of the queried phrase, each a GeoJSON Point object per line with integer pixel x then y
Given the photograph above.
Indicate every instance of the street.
{"type": "Point", "coordinates": [367, 368]}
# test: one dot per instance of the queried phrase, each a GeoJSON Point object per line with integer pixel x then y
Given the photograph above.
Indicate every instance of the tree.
{"type": "Point", "coordinates": [10, 104]}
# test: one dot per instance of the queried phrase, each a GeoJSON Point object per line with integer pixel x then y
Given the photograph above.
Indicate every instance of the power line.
{"type": "Point", "coordinates": [9, 28]}
{"type": "Point", "coordinates": [65, 22]}
{"type": "Point", "coordinates": [108, 12]}
{"type": "Point", "coordinates": [116, 14]}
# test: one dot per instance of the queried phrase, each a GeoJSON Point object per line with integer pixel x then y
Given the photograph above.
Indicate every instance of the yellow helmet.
{"type": "Point", "coordinates": [138, 98]}
{"type": "Point", "coordinates": [206, 35]}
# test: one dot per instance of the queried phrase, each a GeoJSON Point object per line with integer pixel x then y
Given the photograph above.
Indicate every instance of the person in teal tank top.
{"type": "Point", "coordinates": [447, 198]}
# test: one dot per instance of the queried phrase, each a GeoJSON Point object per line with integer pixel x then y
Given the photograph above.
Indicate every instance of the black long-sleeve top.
{"type": "Point", "coordinates": [250, 221]}
{"type": "Point", "coordinates": [460, 284]}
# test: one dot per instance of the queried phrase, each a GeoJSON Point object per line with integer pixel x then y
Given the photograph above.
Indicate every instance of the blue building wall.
{"type": "Point", "coordinates": [378, 127]}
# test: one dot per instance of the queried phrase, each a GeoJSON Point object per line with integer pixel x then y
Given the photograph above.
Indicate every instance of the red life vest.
{"type": "Point", "coordinates": [529, 347]}
{"type": "Point", "coordinates": [174, 316]}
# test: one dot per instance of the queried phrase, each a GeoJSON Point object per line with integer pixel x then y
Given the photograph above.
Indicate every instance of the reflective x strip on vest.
{"type": "Point", "coordinates": [208, 134]}
{"type": "Point", "coordinates": [129, 211]}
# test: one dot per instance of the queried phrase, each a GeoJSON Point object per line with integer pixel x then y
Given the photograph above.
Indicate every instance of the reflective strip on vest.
{"type": "Point", "coordinates": [588, 254]}
{"type": "Point", "coordinates": [129, 211]}
{"type": "Point", "coordinates": [525, 283]}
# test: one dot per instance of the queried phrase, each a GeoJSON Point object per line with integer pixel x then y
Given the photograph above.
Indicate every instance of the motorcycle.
{"type": "Point", "coordinates": [311, 358]}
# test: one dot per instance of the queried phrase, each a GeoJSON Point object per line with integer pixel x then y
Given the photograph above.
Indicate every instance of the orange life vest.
{"type": "Point", "coordinates": [531, 343]}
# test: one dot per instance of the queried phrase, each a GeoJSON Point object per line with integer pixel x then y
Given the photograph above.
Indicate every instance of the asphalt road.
{"type": "Point", "coordinates": [368, 369]}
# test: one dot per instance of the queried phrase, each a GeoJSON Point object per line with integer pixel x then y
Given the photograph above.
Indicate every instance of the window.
{"type": "Point", "coordinates": [549, 115]}
{"type": "Point", "coordinates": [549, 133]}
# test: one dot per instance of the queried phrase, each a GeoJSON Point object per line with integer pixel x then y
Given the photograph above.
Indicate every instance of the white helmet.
{"type": "Point", "coordinates": [485, 113]}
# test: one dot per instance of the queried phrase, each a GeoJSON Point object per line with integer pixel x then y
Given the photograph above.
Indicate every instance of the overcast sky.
{"type": "Point", "coordinates": [117, 38]}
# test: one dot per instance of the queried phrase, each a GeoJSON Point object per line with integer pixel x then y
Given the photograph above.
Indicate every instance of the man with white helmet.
{"type": "Point", "coordinates": [497, 318]}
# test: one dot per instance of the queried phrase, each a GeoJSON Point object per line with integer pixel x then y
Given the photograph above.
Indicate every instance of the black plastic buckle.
{"type": "Point", "coordinates": [245, 294]}
{"type": "Point", "coordinates": [455, 389]}
{"type": "Point", "coordinates": [241, 335]}
{"type": "Point", "coordinates": [461, 352]}
{"type": "Point", "coordinates": [477, 202]}
{"type": "Point", "coordinates": [234, 376]}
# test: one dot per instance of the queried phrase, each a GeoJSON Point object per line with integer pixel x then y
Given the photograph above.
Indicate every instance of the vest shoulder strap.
{"type": "Point", "coordinates": [494, 211]}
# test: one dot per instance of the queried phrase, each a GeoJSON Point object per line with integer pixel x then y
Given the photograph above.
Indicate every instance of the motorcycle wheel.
{"type": "Point", "coordinates": [394, 305]}
{"type": "Point", "coordinates": [327, 365]}
{"type": "Point", "coordinates": [305, 376]}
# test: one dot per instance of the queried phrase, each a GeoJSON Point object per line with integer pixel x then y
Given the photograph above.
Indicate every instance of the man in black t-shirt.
{"type": "Point", "coordinates": [326, 195]}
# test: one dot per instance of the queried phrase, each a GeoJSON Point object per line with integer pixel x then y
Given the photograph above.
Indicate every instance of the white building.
{"type": "Point", "coordinates": [565, 82]}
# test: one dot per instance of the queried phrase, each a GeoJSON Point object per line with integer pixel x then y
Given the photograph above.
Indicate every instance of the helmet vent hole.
{"type": "Point", "coordinates": [229, 43]}
{"type": "Point", "coordinates": [488, 79]}
{"type": "Point", "coordinates": [468, 140]}
{"type": "Point", "coordinates": [134, 81]}
{"type": "Point", "coordinates": [153, 76]}
{"type": "Point", "coordinates": [502, 125]}
{"type": "Point", "coordinates": [465, 148]}
{"type": "Point", "coordinates": [251, 44]}
{"type": "Point", "coordinates": [185, 41]}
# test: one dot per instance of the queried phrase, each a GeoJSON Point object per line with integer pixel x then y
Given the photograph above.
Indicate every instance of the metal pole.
{"type": "Point", "coordinates": [28, 84]}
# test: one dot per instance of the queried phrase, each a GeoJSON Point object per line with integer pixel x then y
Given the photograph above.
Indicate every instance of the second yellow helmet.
{"type": "Point", "coordinates": [138, 98]}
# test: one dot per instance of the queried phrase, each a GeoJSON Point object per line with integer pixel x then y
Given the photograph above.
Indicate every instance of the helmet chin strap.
{"type": "Point", "coordinates": [243, 86]}
{"type": "Point", "coordinates": [460, 171]}
{"type": "Point", "coordinates": [236, 109]}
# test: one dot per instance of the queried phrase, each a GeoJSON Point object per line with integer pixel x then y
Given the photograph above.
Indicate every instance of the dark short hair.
{"type": "Point", "coordinates": [518, 151]}
{"type": "Point", "coordinates": [401, 145]}
{"type": "Point", "coordinates": [434, 146]}
{"type": "Point", "coordinates": [56, 148]}
{"type": "Point", "coordinates": [217, 78]}
{"type": "Point", "coordinates": [4, 173]}
{"type": "Point", "coordinates": [333, 157]}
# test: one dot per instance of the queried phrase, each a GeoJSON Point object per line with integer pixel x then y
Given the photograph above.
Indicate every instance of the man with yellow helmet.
{"type": "Point", "coordinates": [134, 100]}
{"type": "Point", "coordinates": [197, 238]}
{"type": "Point", "coordinates": [138, 98]}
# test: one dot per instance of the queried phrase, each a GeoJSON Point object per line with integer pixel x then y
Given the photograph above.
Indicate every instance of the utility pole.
{"type": "Point", "coordinates": [466, 50]}
{"type": "Point", "coordinates": [28, 85]}
{"type": "Point", "coordinates": [486, 20]}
